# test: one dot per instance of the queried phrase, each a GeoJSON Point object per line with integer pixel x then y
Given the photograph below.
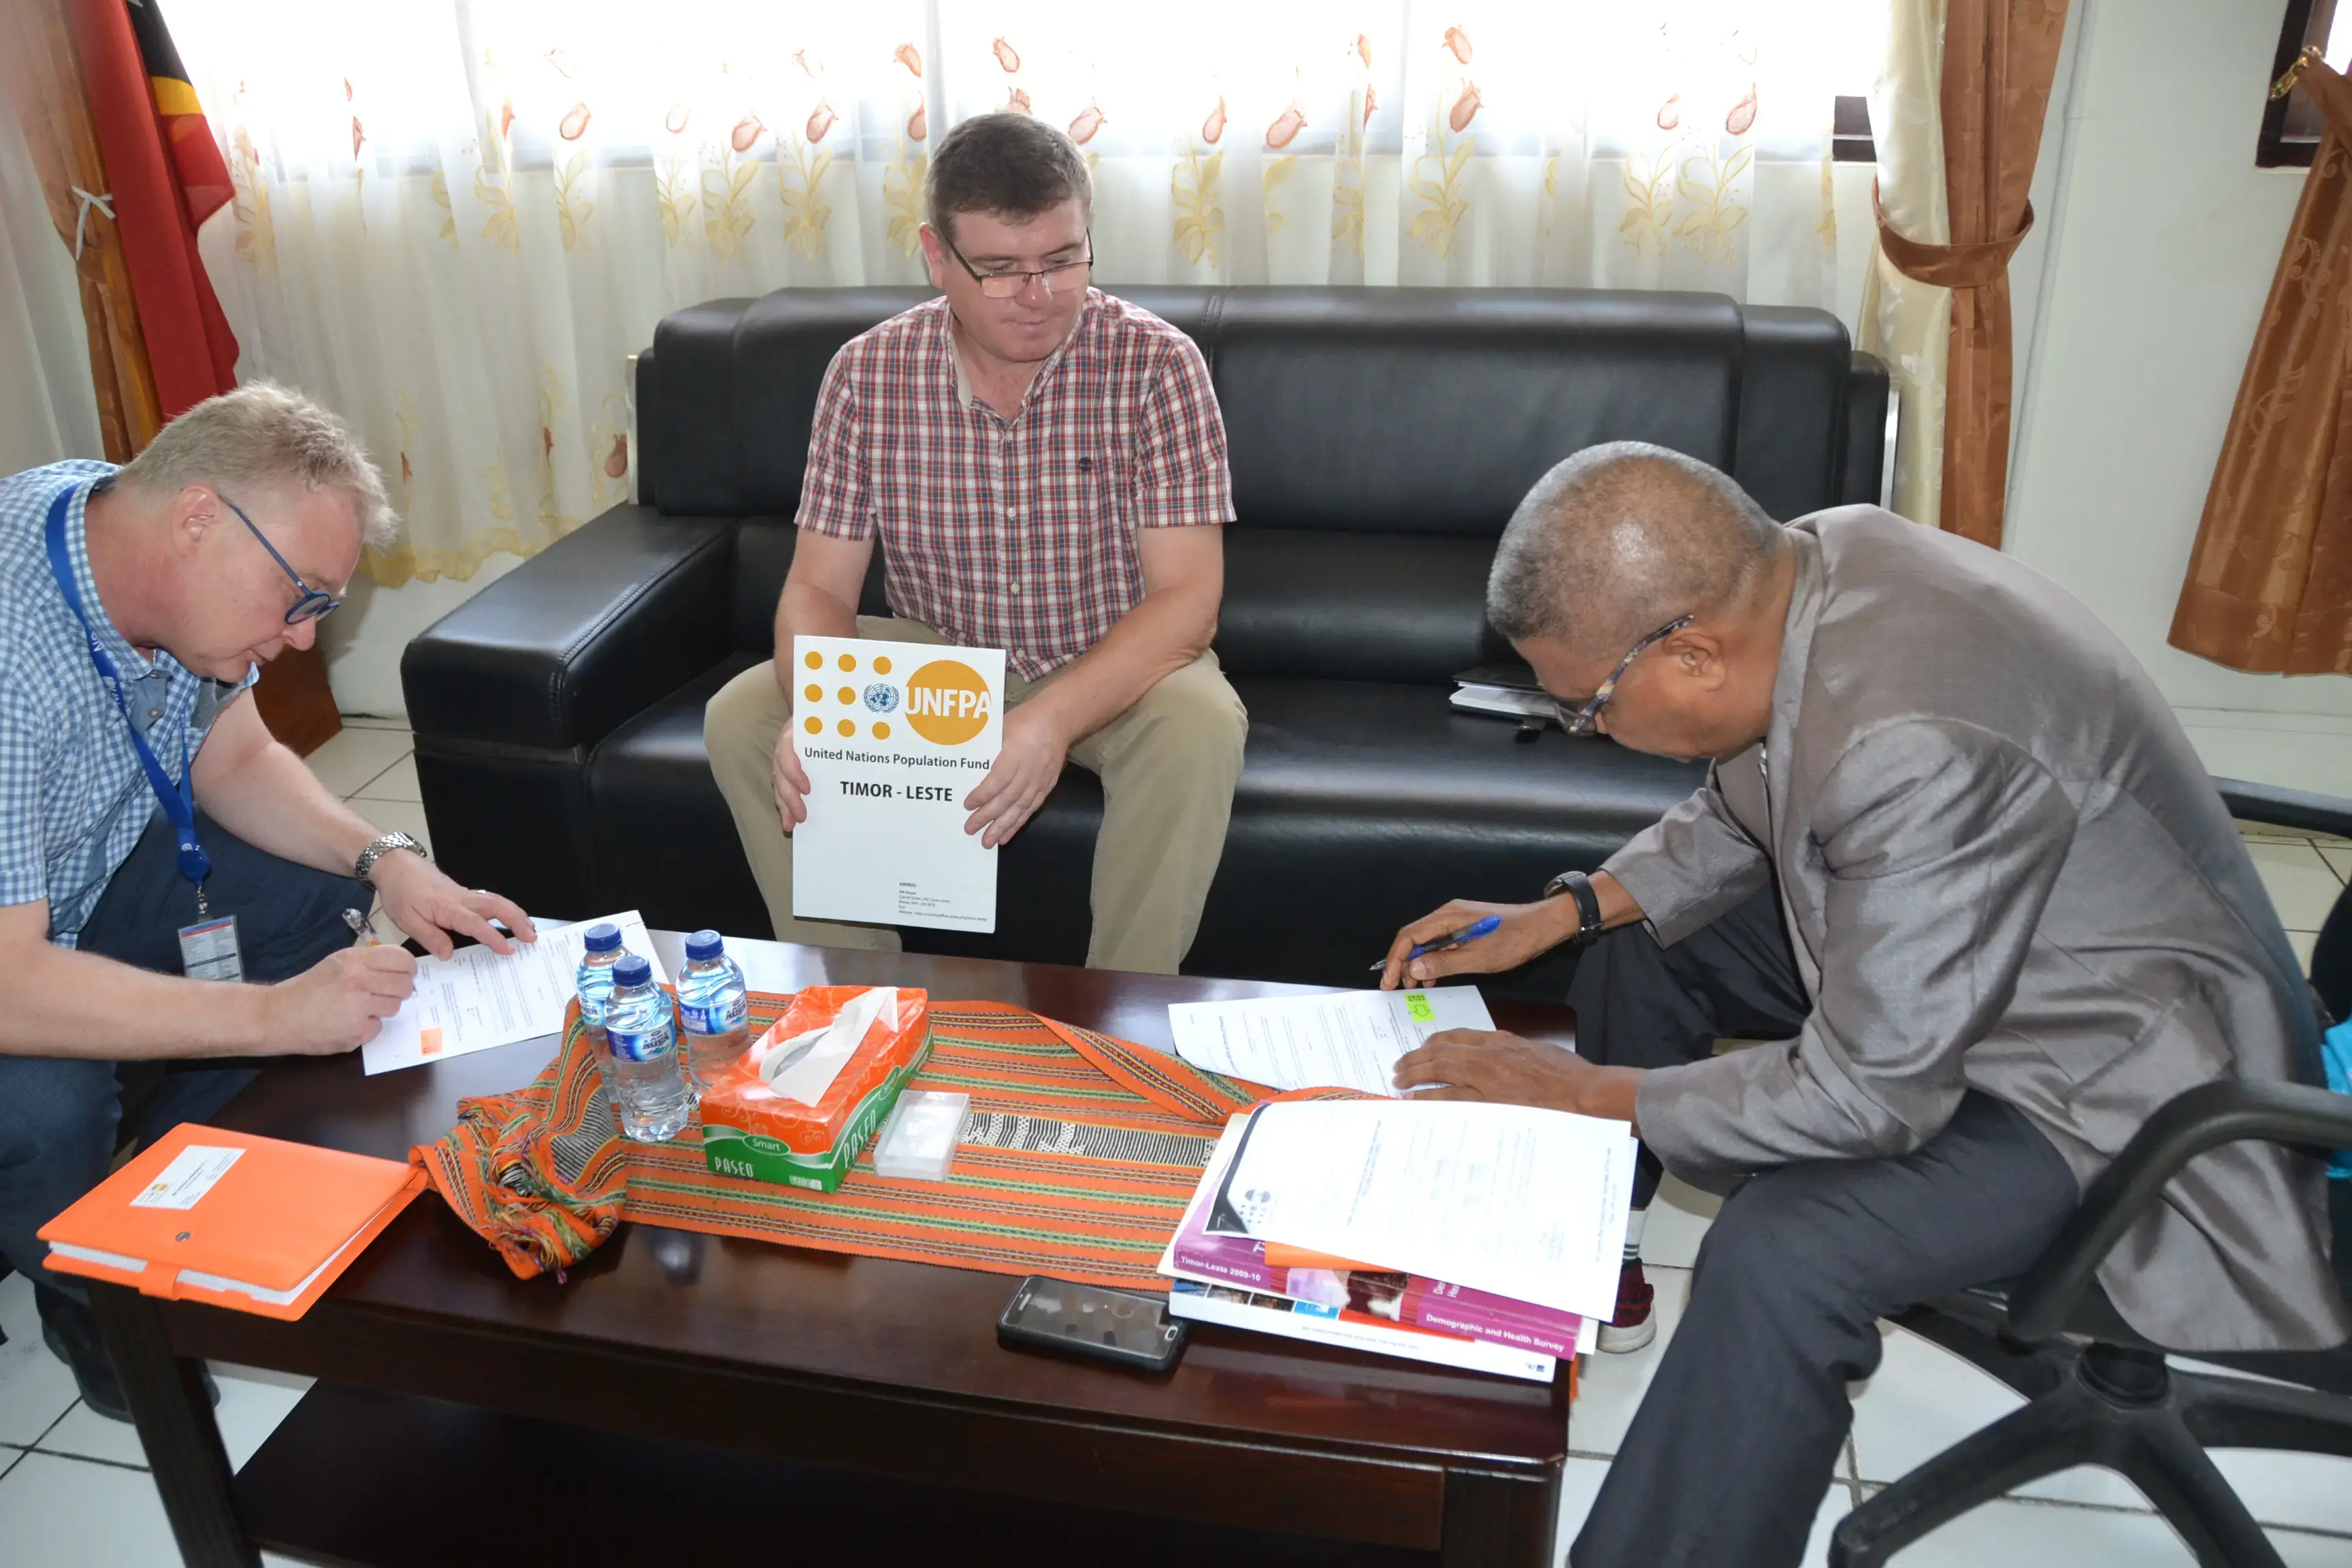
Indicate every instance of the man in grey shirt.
{"type": "Point", "coordinates": [1955, 852]}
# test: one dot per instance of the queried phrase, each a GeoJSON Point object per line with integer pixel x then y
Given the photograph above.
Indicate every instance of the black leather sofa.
{"type": "Point", "coordinates": [1380, 439]}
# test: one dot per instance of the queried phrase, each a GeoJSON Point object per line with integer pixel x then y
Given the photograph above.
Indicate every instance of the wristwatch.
{"type": "Point", "coordinates": [364, 867]}
{"type": "Point", "coordinates": [1579, 885]}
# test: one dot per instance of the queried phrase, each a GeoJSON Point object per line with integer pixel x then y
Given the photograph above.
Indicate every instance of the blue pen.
{"type": "Point", "coordinates": [1472, 933]}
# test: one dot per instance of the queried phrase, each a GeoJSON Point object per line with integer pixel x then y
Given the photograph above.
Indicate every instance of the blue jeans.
{"type": "Point", "coordinates": [61, 1117]}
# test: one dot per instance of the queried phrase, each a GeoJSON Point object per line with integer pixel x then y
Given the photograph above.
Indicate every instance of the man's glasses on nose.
{"type": "Point", "coordinates": [1058, 278]}
{"type": "Point", "coordinates": [1579, 721]}
{"type": "Point", "coordinates": [314, 604]}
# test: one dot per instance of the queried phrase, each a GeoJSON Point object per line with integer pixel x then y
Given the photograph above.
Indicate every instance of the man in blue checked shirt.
{"type": "Point", "coordinates": [154, 840]}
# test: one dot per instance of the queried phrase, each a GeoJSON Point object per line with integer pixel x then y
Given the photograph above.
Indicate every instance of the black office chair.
{"type": "Point", "coordinates": [2099, 1393]}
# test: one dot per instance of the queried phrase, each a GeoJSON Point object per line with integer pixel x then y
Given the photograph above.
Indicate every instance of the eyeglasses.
{"type": "Point", "coordinates": [1579, 721]}
{"type": "Point", "coordinates": [1011, 285]}
{"type": "Point", "coordinates": [315, 604]}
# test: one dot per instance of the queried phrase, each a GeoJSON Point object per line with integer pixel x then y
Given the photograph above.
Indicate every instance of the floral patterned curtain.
{"type": "Point", "coordinates": [456, 218]}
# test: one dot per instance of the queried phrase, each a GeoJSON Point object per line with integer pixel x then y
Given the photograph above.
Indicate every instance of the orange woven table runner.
{"type": "Point", "coordinates": [1078, 1159]}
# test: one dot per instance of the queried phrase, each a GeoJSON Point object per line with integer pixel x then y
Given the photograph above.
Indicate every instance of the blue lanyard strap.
{"type": "Point", "coordinates": [178, 800]}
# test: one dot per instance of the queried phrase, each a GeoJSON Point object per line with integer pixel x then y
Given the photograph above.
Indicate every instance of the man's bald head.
{"type": "Point", "coordinates": [1621, 539]}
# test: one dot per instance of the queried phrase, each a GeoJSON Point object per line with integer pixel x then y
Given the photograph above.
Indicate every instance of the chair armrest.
{"type": "Point", "coordinates": [2286, 808]}
{"type": "Point", "coordinates": [2189, 1124]}
{"type": "Point", "coordinates": [560, 651]}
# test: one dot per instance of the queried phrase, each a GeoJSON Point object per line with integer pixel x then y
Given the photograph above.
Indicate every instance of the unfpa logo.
{"type": "Point", "coordinates": [946, 700]}
{"type": "Point", "coordinates": [947, 703]}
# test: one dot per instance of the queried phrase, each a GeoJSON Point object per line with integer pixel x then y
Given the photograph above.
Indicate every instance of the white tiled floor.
{"type": "Point", "coordinates": [74, 1489]}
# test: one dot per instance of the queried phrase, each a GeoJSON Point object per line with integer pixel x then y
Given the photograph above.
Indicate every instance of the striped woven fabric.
{"type": "Point", "coordinates": [1080, 1155]}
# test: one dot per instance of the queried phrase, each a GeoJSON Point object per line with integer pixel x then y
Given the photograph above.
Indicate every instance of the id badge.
{"type": "Point", "coordinates": [208, 950]}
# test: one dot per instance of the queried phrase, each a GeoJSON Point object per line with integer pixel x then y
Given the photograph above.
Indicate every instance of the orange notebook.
{"type": "Point", "coordinates": [240, 1221]}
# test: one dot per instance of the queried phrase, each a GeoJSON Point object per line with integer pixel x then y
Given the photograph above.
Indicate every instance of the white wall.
{"type": "Point", "coordinates": [362, 641]}
{"type": "Point", "coordinates": [2156, 253]}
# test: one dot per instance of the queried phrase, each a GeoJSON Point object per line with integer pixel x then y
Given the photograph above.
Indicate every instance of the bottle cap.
{"type": "Point", "coordinates": [703, 946]}
{"type": "Point", "coordinates": [632, 970]}
{"type": "Point", "coordinates": [603, 938]}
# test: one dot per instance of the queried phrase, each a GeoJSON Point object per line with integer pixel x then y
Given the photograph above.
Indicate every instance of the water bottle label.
{"type": "Point", "coordinates": [641, 1045]}
{"type": "Point", "coordinates": [717, 1017]}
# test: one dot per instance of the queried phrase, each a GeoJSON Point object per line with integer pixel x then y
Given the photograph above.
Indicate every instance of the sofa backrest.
{"type": "Point", "coordinates": [1409, 420]}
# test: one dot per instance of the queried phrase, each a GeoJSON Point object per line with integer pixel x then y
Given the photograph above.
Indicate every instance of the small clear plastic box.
{"type": "Point", "coordinates": [918, 1142]}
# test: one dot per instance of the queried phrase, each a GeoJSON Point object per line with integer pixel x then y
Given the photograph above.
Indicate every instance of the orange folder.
{"type": "Point", "coordinates": [254, 1224]}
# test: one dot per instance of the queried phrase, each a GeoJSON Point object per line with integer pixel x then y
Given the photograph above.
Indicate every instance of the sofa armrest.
{"type": "Point", "coordinates": [2189, 1124]}
{"type": "Point", "coordinates": [556, 654]}
{"type": "Point", "coordinates": [1869, 454]}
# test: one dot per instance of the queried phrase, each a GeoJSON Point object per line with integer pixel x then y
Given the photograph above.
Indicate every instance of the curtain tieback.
{"type": "Point", "coordinates": [1949, 266]}
{"type": "Point", "coordinates": [84, 201]}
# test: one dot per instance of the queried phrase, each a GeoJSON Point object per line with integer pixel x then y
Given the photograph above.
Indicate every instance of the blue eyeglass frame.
{"type": "Point", "coordinates": [1579, 722]}
{"type": "Point", "coordinates": [316, 604]}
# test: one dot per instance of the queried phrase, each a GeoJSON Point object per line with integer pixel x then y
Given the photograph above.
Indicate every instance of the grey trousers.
{"type": "Point", "coordinates": [1738, 1435]}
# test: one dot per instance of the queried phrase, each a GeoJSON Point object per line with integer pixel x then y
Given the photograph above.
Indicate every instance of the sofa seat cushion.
{"type": "Point", "coordinates": [1363, 805]}
{"type": "Point", "coordinates": [1360, 805]}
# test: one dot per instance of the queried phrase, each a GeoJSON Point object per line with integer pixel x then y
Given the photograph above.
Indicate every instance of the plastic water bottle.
{"type": "Point", "coordinates": [714, 1013]}
{"type": "Point", "coordinates": [648, 1085]}
{"type": "Point", "coordinates": [594, 985]}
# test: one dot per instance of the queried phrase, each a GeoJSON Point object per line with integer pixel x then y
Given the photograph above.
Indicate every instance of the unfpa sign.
{"type": "Point", "coordinates": [947, 703]}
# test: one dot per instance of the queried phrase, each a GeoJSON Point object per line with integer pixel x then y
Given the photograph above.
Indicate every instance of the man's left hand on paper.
{"type": "Point", "coordinates": [426, 904]}
{"type": "Point", "coordinates": [1028, 764]}
{"type": "Point", "coordinates": [1489, 1064]}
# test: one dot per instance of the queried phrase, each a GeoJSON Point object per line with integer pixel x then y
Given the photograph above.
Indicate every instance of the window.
{"type": "Point", "coordinates": [2291, 125]}
{"type": "Point", "coordinates": [1850, 140]}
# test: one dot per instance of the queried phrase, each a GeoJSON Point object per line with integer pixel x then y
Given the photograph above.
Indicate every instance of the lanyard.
{"type": "Point", "coordinates": [178, 800]}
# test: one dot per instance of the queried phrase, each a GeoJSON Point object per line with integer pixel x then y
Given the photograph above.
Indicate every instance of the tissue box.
{"type": "Point", "coordinates": [750, 1130]}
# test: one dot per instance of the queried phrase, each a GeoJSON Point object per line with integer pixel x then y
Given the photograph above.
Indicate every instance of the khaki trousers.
{"type": "Point", "coordinates": [1167, 764]}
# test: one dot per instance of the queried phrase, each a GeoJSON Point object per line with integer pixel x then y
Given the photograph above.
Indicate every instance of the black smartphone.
{"type": "Point", "coordinates": [1087, 1319]}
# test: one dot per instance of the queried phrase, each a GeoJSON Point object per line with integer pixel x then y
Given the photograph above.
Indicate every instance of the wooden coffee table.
{"type": "Point", "coordinates": [466, 1415]}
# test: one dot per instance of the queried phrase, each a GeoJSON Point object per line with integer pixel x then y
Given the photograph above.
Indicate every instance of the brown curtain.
{"type": "Point", "coordinates": [1999, 57]}
{"type": "Point", "coordinates": [40, 73]}
{"type": "Point", "coordinates": [2270, 578]}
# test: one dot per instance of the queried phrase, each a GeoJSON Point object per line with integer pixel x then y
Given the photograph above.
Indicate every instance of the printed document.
{"type": "Point", "coordinates": [1510, 1199]}
{"type": "Point", "coordinates": [478, 998]}
{"type": "Point", "coordinates": [893, 736]}
{"type": "Point", "coordinates": [1351, 1039]}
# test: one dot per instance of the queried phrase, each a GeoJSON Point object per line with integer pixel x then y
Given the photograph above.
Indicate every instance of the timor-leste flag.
{"type": "Point", "coordinates": [167, 177]}
{"type": "Point", "coordinates": [195, 156]}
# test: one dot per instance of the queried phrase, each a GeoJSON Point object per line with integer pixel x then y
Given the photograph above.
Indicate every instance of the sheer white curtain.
{"type": "Point", "coordinates": [454, 218]}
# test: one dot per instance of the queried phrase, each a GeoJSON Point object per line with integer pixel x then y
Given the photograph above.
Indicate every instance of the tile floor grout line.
{"type": "Point", "coordinates": [53, 1426]}
{"type": "Point", "coordinates": [378, 776]}
{"type": "Point", "coordinates": [94, 1460]}
{"type": "Point", "coordinates": [2319, 1530]}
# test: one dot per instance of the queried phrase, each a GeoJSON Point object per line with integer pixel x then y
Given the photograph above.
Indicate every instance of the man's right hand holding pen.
{"type": "Point", "coordinates": [1492, 1064]}
{"type": "Point", "coordinates": [1525, 932]}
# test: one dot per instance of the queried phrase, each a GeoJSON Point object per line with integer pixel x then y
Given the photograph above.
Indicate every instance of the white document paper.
{"type": "Point", "coordinates": [190, 1176]}
{"type": "Point", "coordinates": [478, 998]}
{"type": "Point", "coordinates": [893, 736]}
{"type": "Point", "coordinates": [1351, 1039]}
{"type": "Point", "coordinates": [1523, 1202]}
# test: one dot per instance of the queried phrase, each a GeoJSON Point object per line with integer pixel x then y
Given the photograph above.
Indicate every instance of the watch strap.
{"type": "Point", "coordinates": [364, 869]}
{"type": "Point", "coordinates": [1579, 885]}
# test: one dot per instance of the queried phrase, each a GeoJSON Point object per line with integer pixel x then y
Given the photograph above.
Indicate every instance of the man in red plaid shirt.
{"type": "Point", "coordinates": [1045, 465]}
